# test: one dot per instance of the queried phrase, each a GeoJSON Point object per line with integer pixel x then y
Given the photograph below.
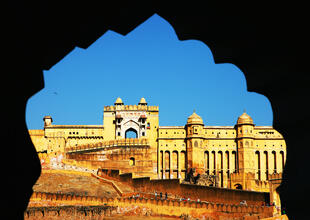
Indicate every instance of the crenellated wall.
{"type": "Point", "coordinates": [69, 212]}
{"type": "Point", "coordinates": [130, 107]}
{"type": "Point", "coordinates": [169, 207]}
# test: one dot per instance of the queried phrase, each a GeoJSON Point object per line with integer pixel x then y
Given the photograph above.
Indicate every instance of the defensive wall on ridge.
{"type": "Point", "coordinates": [194, 192]}
{"type": "Point", "coordinates": [150, 206]}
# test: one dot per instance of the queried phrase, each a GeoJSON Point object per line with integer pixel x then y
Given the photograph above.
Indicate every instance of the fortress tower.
{"type": "Point", "coordinates": [141, 120]}
{"type": "Point", "coordinates": [194, 137]}
{"type": "Point", "coordinates": [245, 143]}
{"type": "Point", "coordinates": [120, 119]}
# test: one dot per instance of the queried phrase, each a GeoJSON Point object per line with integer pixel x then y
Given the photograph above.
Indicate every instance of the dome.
{"type": "Point", "coordinates": [47, 117]}
{"type": "Point", "coordinates": [194, 119]}
{"type": "Point", "coordinates": [142, 101]}
{"type": "Point", "coordinates": [118, 101]}
{"type": "Point", "coordinates": [245, 119]}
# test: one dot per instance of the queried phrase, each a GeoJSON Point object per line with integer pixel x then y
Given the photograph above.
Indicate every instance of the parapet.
{"type": "Point", "coordinates": [128, 142]}
{"type": "Point", "coordinates": [38, 132]}
{"type": "Point", "coordinates": [201, 208]}
{"type": "Point", "coordinates": [112, 108]}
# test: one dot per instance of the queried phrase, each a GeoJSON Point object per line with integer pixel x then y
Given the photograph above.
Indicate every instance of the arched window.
{"type": "Point", "coordinates": [196, 143]}
{"type": "Point", "coordinates": [131, 133]}
{"type": "Point", "coordinates": [206, 162]}
{"type": "Point", "coordinates": [257, 165]}
{"type": "Point", "coordinates": [220, 164]}
{"type": "Point", "coordinates": [175, 164]}
{"type": "Point", "coordinates": [227, 163]}
{"type": "Point", "coordinates": [266, 164]}
{"type": "Point", "coordinates": [183, 163]}
{"type": "Point", "coordinates": [238, 186]}
{"type": "Point", "coordinates": [234, 161]}
{"type": "Point", "coordinates": [161, 164]}
{"type": "Point", "coordinates": [132, 161]}
{"type": "Point", "coordinates": [282, 160]}
{"type": "Point", "coordinates": [274, 155]}
{"type": "Point", "coordinates": [213, 162]}
{"type": "Point", "coordinates": [167, 164]}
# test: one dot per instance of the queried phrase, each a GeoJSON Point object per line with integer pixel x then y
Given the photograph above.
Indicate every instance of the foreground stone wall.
{"type": "Point", "coordinates": [194, 192]}
{"type": "Point", "coordinates": [69, 212]}
{"type": "Point", "coordinates": [141, 206]}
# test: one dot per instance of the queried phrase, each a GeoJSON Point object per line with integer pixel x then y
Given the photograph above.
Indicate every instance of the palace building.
{"type": "Point", "coordinates": [241, 156]}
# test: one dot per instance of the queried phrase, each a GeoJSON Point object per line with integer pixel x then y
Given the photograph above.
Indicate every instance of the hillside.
{"type": "Point", "coordinates": [73, 183]}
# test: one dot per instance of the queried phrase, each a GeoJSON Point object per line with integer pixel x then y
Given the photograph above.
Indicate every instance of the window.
{"type": "Point", "coordinates": [132, 161]}
{"type": "Point", "coordinates": [143, 133]}
{"type": "Point", "coordinates": [196, 144]}
{"type": "Point", "coordinates": [118, 133]}
{"type": "Point", "coordinates": [131, 133]}
{"type": "Point", "coordinates": [195, 130]}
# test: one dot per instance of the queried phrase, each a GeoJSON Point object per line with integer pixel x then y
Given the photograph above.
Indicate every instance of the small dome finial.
{"type": "Point", "coordinates": [142, 101]}
{"type": "Point", "coordinates": [245, 119]}
{"type": "Point", "coordinates": [118, 101]}
{"type": "Point", "coordinates": [194, 119]}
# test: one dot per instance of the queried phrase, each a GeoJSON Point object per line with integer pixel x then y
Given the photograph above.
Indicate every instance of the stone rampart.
{"type": "Point", "coordinates": [174, 187]}
{"type": "Point", "coordinates": [171, 207]}
{"type": "Point", "coordinates": [69, 212]}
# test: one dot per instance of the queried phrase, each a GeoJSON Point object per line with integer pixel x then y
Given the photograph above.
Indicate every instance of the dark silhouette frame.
{"type": "Point", "coordinates": [268, 42]}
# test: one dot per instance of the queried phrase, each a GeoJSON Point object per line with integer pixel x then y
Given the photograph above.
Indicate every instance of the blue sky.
{"type": "Point", "coordinates": [178, 76]}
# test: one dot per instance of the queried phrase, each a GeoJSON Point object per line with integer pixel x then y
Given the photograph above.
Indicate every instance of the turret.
{"type": "Point", "coordinates": [142, 102]}
{"type": "Point", "coordinates": [118, 101]}
{"type": "Point", "coordinates": [245, 126]}
{"type": "Point", "coordinates": [47, 121]}
{"type": "Point", "coordinates": [194, 136]}
{"type": "Point", "coordinates": [246, 154]}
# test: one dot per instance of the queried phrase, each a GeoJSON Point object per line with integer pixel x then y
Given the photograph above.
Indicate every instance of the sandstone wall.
{"type": "Point", "coordinates": [99, 207]}
{"type": "Point", "coordinates": [194, 192]}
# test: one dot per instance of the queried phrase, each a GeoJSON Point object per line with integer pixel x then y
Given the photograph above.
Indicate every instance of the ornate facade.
{"type": "Point", "coordinates": [242, 156]}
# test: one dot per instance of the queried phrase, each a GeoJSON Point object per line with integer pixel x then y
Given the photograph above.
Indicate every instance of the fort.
{"type": "Point", "coordinates": [217, 164]}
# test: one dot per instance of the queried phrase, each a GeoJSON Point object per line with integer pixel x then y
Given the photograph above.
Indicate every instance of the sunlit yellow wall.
{"type": "Point", "coordinates": [237, 154]}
